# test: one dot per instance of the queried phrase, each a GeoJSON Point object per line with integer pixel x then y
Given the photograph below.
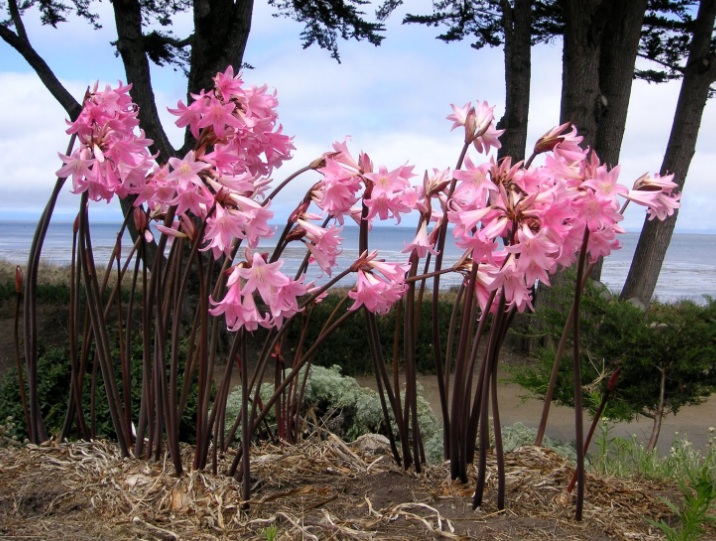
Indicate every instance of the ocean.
{"type": "Point", "coordinates": [689, 270]}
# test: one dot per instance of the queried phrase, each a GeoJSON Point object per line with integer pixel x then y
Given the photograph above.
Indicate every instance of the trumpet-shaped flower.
{"type": "Point", "coordinates": [422, 244]}
{"type": "Point", "coordinates": [378, 296]}
{"type": "Point", "coordinates": [657, 194]}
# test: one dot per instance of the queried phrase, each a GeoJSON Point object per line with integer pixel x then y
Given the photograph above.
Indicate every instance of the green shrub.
{"type": "Point", "coordinates": [54, 371]}
{"type": "Point", "coordinates": [345, 408]}
{"type": "Point", "coordinates": [679, 339]}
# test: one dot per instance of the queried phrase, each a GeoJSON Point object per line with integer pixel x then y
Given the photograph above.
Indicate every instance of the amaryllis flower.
{"type": "Point", "coordinates": [220, 117]}
{"type": "Point", "coordinates": [378, 296]}
{"type": "Point", "coordinates": [113, 157]}
{"type": "Point", "coordinates": [258, 277]}
{"type": "Point", "coordinates": [222, 228]}
{"type": "Point", "coordinates": [478, 124]}
{"type": "Point", "coordinates": [511, 281]}
{"type": "Point", "coordinates": [187, 169]}
{"type": "Point", "coordinates": [337, 192]}
{"type": "Point", "coordinates": [228, 85]}
{"type": "Point", "coordinates": [323, 243]}
{"type": "Point", "coordinates": [422, 244]}
{"type": "Point", "coordinates": [564, 144]}
{"type": "Point", "coordinates": [657, 193]}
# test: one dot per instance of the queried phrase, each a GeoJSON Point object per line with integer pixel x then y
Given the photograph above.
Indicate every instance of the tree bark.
{"type": "Point", "coordinates": [516, 22]}
{"type": "Point", "coordinates": [130, 44]}
{"type": "Point", "coordinates": [221, 31]}
{"type": "Point", "coordinates": [580, 65]}
{"type": "Point", "coordinates": [618, 52]}
{"type": "Point", "coordinates": [601, 42]}
{"type": "Point", "coordinates": [699, 75]}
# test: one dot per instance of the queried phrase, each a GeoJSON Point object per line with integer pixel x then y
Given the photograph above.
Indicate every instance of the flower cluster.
{"type": "Point", "coordinates": [113, 156]}
{"type": "Point", "coordinates": [520, 223]}
{"type": "Point", "coordinates": [278, 293]}
{"type": "Point", "coordinates": [516, 223]}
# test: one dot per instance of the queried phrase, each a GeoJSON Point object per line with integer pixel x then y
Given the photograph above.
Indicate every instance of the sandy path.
{"type": "Point", "coordinates": [691, 422]}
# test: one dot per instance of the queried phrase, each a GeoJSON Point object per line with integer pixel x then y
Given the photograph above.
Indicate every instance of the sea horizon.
{"type": "Point", "coordinates": [688, 272]}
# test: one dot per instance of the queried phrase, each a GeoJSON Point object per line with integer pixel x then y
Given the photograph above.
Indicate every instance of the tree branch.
{"type": "Point", "coordinates": [22, 45]}
{"type": "Point", "coordinates": [667, 65]}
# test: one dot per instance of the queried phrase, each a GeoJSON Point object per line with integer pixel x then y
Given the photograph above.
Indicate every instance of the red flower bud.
{"type": "Point", "coordinates": [612, 382]}
{"type": "Point", "coordinates": [18, 280]}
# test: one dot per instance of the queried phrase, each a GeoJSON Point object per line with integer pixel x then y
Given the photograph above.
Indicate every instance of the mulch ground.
{"type": "Point", "coordinates": [322, 488]}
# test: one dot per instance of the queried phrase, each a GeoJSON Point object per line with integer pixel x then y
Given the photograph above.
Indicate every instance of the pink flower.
{"type": "Point", "coordinates": [393, 272]}
{"type": "Point", "coordinates": [342, 155]}
{"type": "Point", "coordinates": [189, 115]}
{"type": "Point", "coordinates": [222, 227]}
{"type": "Point", "coordinates": [564, 145]}
{"type": "Point", "coordinates": [422, 244]}
{"type": "Point", "coordinates": [478, 125]}
{"type": "Point", "coordinates": [324, 245]}
{"type": "Point", "coordinates": [256, 219]}
{"type": "Point", "coordinates": [187, 169]}
{"type": "Point", "coordinates": [113, 157]}
{"type": "Point", "coordinates": [193, 198]}
{"type": "Point", "coordinates": [475, 184]}
{"type": "Point", "coordinates": [534, 251]}
{"type": "Point", "coordinates": [337, 192]}
{"type": "Point", "coordinates": [378, 296]}
{"type": "Point", "coordinates": [76, 165]}
{"type": "Point", "coordinates": [513, 286]}
{"type": "Point", "coordinates": [605, 186]}
{"type": "Point", "coordinates": [656, 193]}
{"type": "Point", "coordinates": [262, 276]}
{"type": "Point", "coordinates": [278, 292]}
{"type": "Point", "coordinates": [220, 117]}
{"type": "Point", "coordinates": [284, 304]}
{"type": "Point", "coordinates": [239, 310]}
{"type": "Point", "coordinates": [227, 85]}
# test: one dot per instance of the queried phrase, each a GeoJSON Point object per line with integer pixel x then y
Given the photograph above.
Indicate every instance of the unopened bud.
{"type": "Point", "coordinates": [551, 139]}
{"type": "Point", "coordinates": [612, 382]}
{"type": "Point", "coordinates": [18, 280]}
{"type": "Point", "coordinates": [140, 219]}
{"type": "Point", "coordinates": [318, 163]}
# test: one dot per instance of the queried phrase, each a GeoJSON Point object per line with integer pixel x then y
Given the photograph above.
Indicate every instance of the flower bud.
{"type": "Point", "coordinates": [612, 382]}
{"type": "Point", "coordinates": [318, 163]}
{"type": "Point", "coordinates": [140, 219]}
{"type": "Point", "coordinates": [18, 280]}
{"type": "Point", "coordinates": [551, 139]}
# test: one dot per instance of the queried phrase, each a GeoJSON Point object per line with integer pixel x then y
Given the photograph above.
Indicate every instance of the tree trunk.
{"type": "Point", "coordinates": [699, 74]}
{"type": "Point", "coordinates": [516, 22]}
{"type": "Point", "coordinates": [580, 66]}
{"type": "Point", "coordinates": [601, 42]}
{"type": "Point", "coordinates": [221, 31]}
{"type": "Point", "coordinates": [619, 46]}
{"type": "Point", "coordinates": [130, 44]}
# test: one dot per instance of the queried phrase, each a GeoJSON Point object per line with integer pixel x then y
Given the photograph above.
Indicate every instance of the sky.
{"type": "Point", "coordinates": [391, 100]}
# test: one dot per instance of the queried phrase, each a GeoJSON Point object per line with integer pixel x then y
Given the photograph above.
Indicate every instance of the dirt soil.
{"type": "Point", "coordinates": [320, 489]}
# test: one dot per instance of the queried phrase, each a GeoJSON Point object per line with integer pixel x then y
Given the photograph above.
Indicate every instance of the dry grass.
{"type": "Point", "coordinates": [320, 489]}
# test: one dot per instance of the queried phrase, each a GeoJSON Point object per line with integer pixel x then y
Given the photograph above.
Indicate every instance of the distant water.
{"type": "Point", "coordinates": [689, 270]}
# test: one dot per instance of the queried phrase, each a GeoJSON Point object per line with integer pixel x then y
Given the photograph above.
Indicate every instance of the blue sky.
{"type": "Point", "coordinates": [392, 100]}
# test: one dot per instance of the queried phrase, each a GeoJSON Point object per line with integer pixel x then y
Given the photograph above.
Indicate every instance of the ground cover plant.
{"type": "Point", "coordinates": [516, 224]}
